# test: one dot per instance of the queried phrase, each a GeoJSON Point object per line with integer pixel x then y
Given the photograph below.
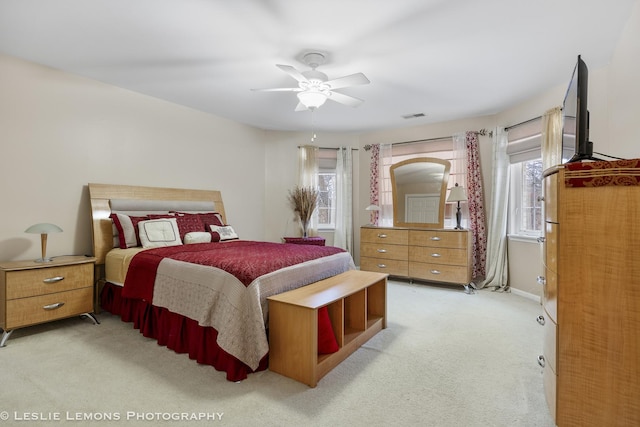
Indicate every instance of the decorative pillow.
{"type": "Point", "coordinates": [159, 232]}
{"type": "Point", "coordinates": [197, 237]}
{"type": "Point", "coordinates": [225, 233]}
{"type": "Point", "coordinates": [127, 227]}
{"type": "Point", "coordinates": [327, 342]}
{"type": "Point", "coordinates": [188, 223]}
{"type": "Point", "coordinates": [211, 218]}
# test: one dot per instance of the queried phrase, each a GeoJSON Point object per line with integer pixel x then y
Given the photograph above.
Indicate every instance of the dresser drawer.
{"type": "Point", "coordinates": [550, 290]}
{"type": "Point", "coordinates": [44, 308]}
{"type": "Point", "coordinates": [551, 198]}
{"type": "Point", "coordinates": [27, 283]}
{"type": "Point", "coordinates": [549, 345]}
{"type": "Point", "coordinates": [438, 238]}
{"type": "Point", "coordinates": [384, 251]}
{"type": "Point", "coordinates": [550, 379]}
{"type": "Point", "coordinates": [392, 267]}
{"type": "Point", "coordinates": [448, 256]}
{"type": "Point", "coordinates": [384, 235]}
{"type": "Point", "coordinates": [439, 272]}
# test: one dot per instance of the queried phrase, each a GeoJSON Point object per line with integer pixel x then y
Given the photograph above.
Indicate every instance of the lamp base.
{"type": "Point", "coordinates": [458, 219]}
{"type": "Point", "coordinates": [43, 260]}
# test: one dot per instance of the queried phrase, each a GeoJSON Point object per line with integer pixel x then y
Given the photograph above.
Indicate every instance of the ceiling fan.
{"type": "Point", "coordinates": [314, 87]}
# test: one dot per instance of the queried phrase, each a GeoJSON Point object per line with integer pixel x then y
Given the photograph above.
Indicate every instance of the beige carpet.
{"type": "Point", "coordinates": [445, 359]}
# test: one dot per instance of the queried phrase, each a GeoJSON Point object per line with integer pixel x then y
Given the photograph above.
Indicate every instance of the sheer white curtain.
{"type": "Point", "coordinates": [343, 236]}
{"type": "Point", "coordinates": [308, 177]}
{"type": "Point", "coordinates": [385, 216]}
{"type": "Point", "coordinates": [497, 259]}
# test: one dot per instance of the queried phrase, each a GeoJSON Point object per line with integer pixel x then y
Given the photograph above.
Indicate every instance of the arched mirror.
{"type": "Point", "coordinates": [419, 189]}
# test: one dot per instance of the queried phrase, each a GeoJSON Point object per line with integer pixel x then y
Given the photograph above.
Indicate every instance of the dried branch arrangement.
{"type": "Point", "coordinates": [303, 202]}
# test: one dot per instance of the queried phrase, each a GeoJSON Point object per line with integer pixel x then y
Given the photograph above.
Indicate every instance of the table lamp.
{"type": "Point", "coordinates": [457, 194]}
{"type": "Point", "coordinates": [372, 209]}
{"type": "Point", "coordinates": [43, 229]}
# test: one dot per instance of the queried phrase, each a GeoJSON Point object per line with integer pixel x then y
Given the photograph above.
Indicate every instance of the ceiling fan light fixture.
{"type": "Point", "coordinates": [312, 99]}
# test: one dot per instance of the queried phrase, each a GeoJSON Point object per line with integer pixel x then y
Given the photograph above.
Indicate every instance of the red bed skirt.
{"type": "Point", "coordinates": [174, 331]}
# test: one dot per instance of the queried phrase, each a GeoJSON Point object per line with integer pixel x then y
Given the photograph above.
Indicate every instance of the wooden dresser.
{"type": "Point", "coordinates": [442, 255]}
{"type": "Point", "coordinates": [591, 298]}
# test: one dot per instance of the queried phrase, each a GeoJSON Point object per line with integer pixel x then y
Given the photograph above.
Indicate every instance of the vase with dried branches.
{"type": "Point", "coordinates": [303, 201]}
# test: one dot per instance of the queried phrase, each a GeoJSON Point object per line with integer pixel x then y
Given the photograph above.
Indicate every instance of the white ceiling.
{"type": "Point", "coordinates": [448, 59]}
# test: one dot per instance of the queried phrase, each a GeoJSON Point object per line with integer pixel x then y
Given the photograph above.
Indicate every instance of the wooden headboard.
{"type": "Point", "coordinates": [101, 194]}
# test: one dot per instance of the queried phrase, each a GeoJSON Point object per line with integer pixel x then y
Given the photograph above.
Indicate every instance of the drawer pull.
{"type": "Point", "coordinates": [435, 271]}
{"type": "Point", "coordinates": [53, 279]}
{"type": "Point", "coordinates": [541, 239]}
{"type": "Point", "coordinates": [541, 360]}
{"type": "Point", "coordinates": [436, 238]}
{"type": "Point", "coordinates": [436, 255]}
{"type": "Point", "coordinates": [53, 306]}
{"type": "Point", "coordinates": [540, 319]}
{"type": "Point", "coordinates": [382, 265]}
{"type": "Point", "coordinates": [541, 280]}
{"type": "Point", "coordinates": [382, 236]}
{"type": "Point", "coordinates": [382, 251]}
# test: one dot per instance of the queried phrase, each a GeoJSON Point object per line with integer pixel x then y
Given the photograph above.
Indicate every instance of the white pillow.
{"type": "Point", "coordinates": [159, 232]}
{"type": "Point", "coordinates": [226, 232]}
{"type": "Point", "coordinates": [197, 237]}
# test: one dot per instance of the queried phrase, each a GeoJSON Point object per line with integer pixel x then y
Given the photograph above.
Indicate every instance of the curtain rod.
{"type": "Point", "coordinates": [328, 148]}
{"type": "Point", "coordinates": [482, 132]}
{"type": "Point", "coordinates": [522, 123]}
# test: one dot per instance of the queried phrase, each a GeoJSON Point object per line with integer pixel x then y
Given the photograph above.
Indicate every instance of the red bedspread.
{"type": "Point", "coordinates": [246, 260]}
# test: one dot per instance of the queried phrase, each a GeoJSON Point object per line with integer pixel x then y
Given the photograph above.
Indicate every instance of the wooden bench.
{"type": "Point", "coordinates": [357, 305]}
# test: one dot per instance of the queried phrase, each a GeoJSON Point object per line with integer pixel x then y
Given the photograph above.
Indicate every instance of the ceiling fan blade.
{"type": "Point", "coordinates": [279, 89]}
{"type": "Point", "coordinates": [345, 99]}
{"type": "Point", "coordinates": [292, 72]}
{"type": "Point", "coordinates": [350, 80]}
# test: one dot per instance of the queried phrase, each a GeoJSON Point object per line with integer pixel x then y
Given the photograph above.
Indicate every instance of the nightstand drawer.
{"type": "Point", "coordinates": [29, 311]}
{"type": "Point", "coordinates": [28, 283]}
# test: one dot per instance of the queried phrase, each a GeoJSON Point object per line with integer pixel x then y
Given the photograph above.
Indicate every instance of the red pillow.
{"type": "Point", "coordinates": [188, 223]}
{"type": "Point", "coordinates": [212, 218]}
{"type": "Point", "coordinates": [327, 342]}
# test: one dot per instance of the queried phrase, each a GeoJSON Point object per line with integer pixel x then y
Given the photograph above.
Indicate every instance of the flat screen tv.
{"type": "Point", "coordinates": [575, 126]}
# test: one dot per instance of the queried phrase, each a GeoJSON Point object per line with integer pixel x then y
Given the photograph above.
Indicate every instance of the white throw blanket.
{"type": "Point", "coordinates": [239, 313]}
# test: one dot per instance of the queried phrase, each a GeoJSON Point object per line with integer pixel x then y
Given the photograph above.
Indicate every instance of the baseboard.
{"type": "Point", "coordinates": [527, 295]}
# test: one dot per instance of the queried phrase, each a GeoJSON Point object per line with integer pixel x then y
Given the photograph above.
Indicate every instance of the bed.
{"type": "Point", "coordinates": [168, 261]}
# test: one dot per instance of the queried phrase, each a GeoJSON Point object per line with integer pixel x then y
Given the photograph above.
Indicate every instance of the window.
{"type": "Point", "coordinates": [525, 198]}
{"type": "Point", "coordinates": [327, 188]}
{"type": "Point", "coordinates": [526, 205]}
{"type": "Point", "coordinates": [326, 199]}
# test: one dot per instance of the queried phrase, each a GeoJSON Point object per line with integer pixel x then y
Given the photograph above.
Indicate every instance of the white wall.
{"type": "Point", "coordinates": [58, 132]}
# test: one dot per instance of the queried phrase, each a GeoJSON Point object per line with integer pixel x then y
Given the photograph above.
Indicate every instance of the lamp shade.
{"type": "Point", "coordinates": [43, 229]}
{"type": "Point", "coordinates": [457, 194]}
{"type": "Point", "coordinates": [312, 98]}
{"type": "Point", "coordinates": [372, 208]}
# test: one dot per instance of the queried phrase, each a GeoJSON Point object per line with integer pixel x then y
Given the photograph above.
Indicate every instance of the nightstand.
{"type": "Point", "coordinates": [38, 292]}
{"type": "Point", "coordinates": [316, 240]}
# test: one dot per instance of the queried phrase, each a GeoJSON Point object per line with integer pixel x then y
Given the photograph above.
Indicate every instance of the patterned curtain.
{"type": "Point", "coordinates": [467, 158]}
{"type": "Point", "coordinates": [475, 194]}
{"type": "Point", "coordinates": [374, 185]}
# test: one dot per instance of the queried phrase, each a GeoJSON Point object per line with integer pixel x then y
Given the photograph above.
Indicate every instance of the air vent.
{"type": "Point", "coordinates": [413, 116]}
